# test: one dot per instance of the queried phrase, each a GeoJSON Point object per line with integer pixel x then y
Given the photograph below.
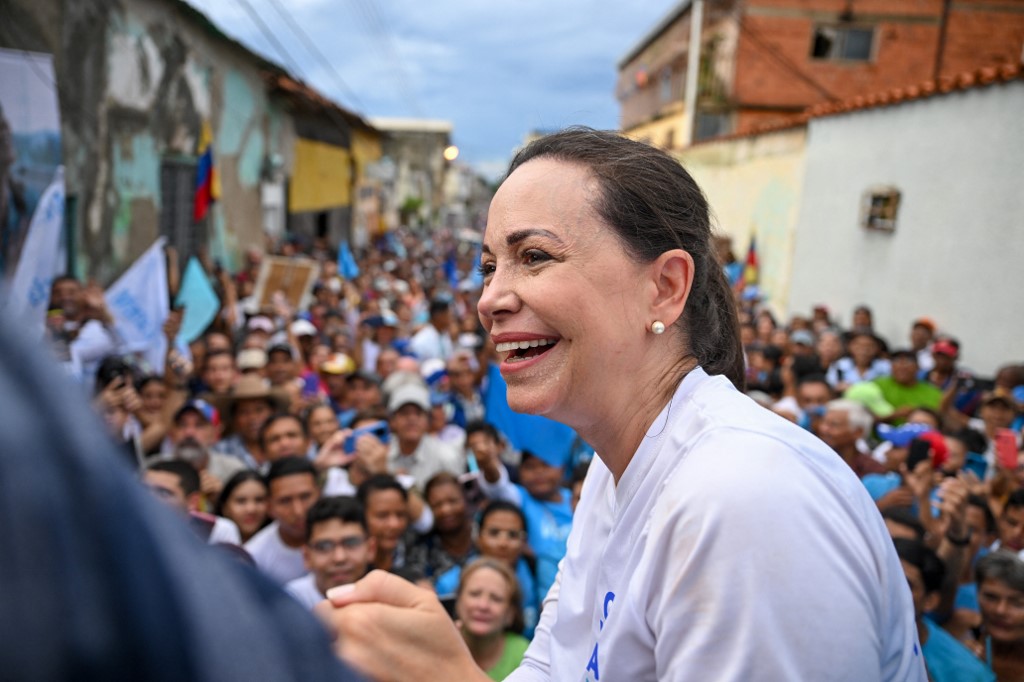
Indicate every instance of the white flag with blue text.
{"type": "Point", "coordinates": [41, 259]}
{"type": "Point", "coordinates": [139, 304]}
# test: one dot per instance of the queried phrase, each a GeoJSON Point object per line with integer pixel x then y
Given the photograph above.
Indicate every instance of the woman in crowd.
{"type": "Point", "coordinates": [488, 617]}
{"type": "Point", "coordinates": [502, 536]}
{"type": "Point", "coordinates": [244, 501]}
{"type": "Point", "coordinates": [321, 424]}
{"type": "Point", "coordinates": [714, 539]}
{"type": "Point", "coordinates": [450, 543]}
{"type": "Point", "coordinates": [386, 504]}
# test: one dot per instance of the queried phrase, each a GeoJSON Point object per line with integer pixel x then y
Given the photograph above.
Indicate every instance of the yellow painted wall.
{"type": "Point", "coordinates": [366, 148]}
{"type": "Point", "coordinates": [656, 131]}
{"type": "Point", "coordinates": [321, 177]}
{"type": "Point", "coordinates": [754, 186]}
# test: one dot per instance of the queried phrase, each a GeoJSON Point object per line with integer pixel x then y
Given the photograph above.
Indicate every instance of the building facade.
{"type": "Point", "coordinates": [765, 60]}
{"type": "Point", "coordinates": [138, 82]}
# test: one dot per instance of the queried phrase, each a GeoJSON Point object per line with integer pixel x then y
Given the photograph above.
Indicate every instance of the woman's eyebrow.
{"type": "Point", "coordinates": [517, 236]}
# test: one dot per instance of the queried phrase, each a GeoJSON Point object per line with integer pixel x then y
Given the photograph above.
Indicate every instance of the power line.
{"type": "Point", "coordinates": [377, 25]}
{"type": "Point", "coordinates": [271, 38]}
{"type": "Point", "coordinates": [785, 62]}
{"type": "Point", "coordinates": [316, 52]}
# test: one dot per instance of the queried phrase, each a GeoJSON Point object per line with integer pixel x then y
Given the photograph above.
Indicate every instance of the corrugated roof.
{"type": "Point", "coordinates": [966, 80]}
{"type": "Point", "coordinates": [284, 84]}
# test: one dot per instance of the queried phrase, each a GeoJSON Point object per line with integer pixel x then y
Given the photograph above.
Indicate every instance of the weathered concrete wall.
{"type": "Point", "coordinates": [753, 185]}
{"type": "Point", "coordinates": [954, 254]}
{"type": "Point", "coordinates": [136, 80]}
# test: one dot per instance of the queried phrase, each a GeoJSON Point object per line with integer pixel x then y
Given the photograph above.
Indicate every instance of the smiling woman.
{"type": "Point", "coordinates": [713, 539]}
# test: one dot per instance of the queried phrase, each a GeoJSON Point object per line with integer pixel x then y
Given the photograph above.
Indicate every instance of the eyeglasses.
{"type": "Point", "coordinates": [495, 533]}
{"type": "Point", "coordinates": [328, 546]}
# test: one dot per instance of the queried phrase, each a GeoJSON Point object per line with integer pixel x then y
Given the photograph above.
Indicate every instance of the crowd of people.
{"type": "Point", "coordinates": [318, 442]}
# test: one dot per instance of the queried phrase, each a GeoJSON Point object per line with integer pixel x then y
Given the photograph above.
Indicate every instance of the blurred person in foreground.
{"type": "Point", "coordinates": [112, 590]}
{"type": "Point", "coordinates": [611, 314]}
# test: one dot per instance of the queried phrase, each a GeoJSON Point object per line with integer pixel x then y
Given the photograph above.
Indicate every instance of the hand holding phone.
{"type": "Point", "coordinates": [1006, 449]}
{"type": "Point", "coordinates": [377, 429]}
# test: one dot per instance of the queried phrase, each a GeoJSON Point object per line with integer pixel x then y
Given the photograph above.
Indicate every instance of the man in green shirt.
{"type": "Point", "coordinates": [903, 390]}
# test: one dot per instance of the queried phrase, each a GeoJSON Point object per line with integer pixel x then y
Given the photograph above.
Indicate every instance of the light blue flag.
{"type": "Point", "coordinates": [346, 262]}
{"type": "Point", "coordinates": [550, 440]}
{"type": "Point", "coordinates": [41, 259]}
{"type": "Point", "coordinates": [200, 301]}
{"type": "Point", "coordinates": [138, 303]}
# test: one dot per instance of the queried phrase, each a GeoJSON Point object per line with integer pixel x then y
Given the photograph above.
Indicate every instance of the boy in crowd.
{"type": "Point", "coordinates": [338, 549]}
{"type": "Point", "coordinates": [176, 483]}
{"type": "Point", "coordinates": [945, 657]}
{"type": "Point", "coordinates": [293, 490]}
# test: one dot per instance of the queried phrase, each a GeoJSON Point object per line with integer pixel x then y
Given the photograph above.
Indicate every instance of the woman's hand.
{"type": "Point", "coordinates": [392, 630]}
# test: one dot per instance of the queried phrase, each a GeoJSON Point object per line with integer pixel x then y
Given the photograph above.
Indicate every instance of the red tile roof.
{"type": "Point", "coordinates": [962, 81]}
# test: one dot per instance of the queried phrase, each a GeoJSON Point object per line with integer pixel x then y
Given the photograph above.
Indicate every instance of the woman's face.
{"type": "Point", "coordinates": [449, 507]}
{"type": "Point", "coordinates": [153, 396]}
{"type": "Point", "coordinates": [484, 605]}
{"type": "Point", "coordinates": [387, 518]}
{"type": "Point", "coordinates": [247, 507]}
{"type": "Point", "coordinates": [557, 280]}
{"type": "Point", "coordinates": [322, 423]}
{"type": "Point", "coordinates": [502, 536]}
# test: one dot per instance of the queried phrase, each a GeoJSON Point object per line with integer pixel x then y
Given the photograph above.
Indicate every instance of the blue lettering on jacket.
{"type": "Point", "coordinates": [592, 666]}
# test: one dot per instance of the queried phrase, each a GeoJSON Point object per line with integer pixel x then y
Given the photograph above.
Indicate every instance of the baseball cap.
{"type": "Point", "coordinates": [869, 394]}
{"type": "Point", "coordinates": [945, 347]}
{"type": "Point", "coordinates": [202, 408]}
{"type": "Point", "coordinates": [261, 324]}
{"type": "Point", "coordinates": [302, 327]}
{"type": "Point", "coordinates": [409, 394]}
{"type": "Point", "coordinates": [251, 358]}
{"type": "Point", "coordinates": [802, 337]}
{"type": "Point", "coordinates": [997, 396]}
{"type": "Point", "coordinates": [339, 363]}
{"type": "Point", "coordinates": [282, 348]}
{"type": "Point", "coordinates": [900, 436]}
{"type": "Point", "coordinates": [926, 322]}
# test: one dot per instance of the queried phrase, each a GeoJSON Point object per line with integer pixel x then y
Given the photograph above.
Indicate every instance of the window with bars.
{"type": "Point", "coordinates": [879, 207]}
{"type": "Point", "coordinates": [177, 193]}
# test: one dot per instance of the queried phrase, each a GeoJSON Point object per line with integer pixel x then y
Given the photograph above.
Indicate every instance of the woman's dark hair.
{"type": "Point", "coordinates": [114, 367]}
{"type": "Point", "coordinates": [495, 506]}
{"type": "Point", "coordinates": [145, 379]}
{"type": "Point", "coordinates": [233, 482]}
{"type": "Point", "coordinates": [376, 483]}
{"type": "Point", "coordinates": [654, 206]}
{"type": "Point", "coordinates": [439, 479]}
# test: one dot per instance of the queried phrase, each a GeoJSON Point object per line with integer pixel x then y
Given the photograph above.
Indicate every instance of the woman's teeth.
{"type": "Point", "coordinates": [523, 345]}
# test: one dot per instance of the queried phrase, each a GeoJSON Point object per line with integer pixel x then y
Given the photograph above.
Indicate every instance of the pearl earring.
{"type": "Point", "coordinates": [658, 327]}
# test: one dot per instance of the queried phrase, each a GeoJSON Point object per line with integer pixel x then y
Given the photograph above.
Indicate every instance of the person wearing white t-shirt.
{"type": "Point", "coordinates": [713, 539]}
{"type": "Point", "coordinates": [338, 549]}
{"type": "Point", "coordinates": [292, 490]}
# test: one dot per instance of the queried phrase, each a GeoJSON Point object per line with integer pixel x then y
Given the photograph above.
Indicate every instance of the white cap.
{"type": "Point", "coordinates": [409, 394]}
{"type": "Point", "coordinates": [302, 327]}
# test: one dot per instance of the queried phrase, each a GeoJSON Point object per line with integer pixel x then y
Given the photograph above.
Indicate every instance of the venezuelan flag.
{"type": "Point", "coordinates": [750, 269]}
{"type": "Point", "coordinates": [207, 183]}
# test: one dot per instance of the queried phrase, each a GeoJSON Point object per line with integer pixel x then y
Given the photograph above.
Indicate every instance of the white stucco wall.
{"type": "Point", "coordinates": [957, 254]}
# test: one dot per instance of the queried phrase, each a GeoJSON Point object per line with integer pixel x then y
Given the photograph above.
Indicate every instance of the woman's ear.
{"type": "Point", "coordinates": [672, 279]}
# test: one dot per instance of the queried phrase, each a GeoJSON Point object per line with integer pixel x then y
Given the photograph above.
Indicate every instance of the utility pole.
{"type": "Point", "coordinates": [693, 69]}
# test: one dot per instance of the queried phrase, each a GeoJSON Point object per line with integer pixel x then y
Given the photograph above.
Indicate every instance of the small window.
{"type": "Point", "coordinates": [880, 207]}
{"type": "Point", "coordinates": [846, 43]}
{"type": "Point", "coordinates": [666, 84]}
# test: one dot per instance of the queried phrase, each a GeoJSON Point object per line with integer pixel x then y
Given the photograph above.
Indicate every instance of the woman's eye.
{"type": "Point", "coordinates": [485, 269]}
{"type": "Point", "coordinates": [534, 256]}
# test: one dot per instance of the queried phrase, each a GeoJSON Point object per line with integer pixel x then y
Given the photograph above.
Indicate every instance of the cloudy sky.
{"type": "Point", "coordinates": [497, 69]}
